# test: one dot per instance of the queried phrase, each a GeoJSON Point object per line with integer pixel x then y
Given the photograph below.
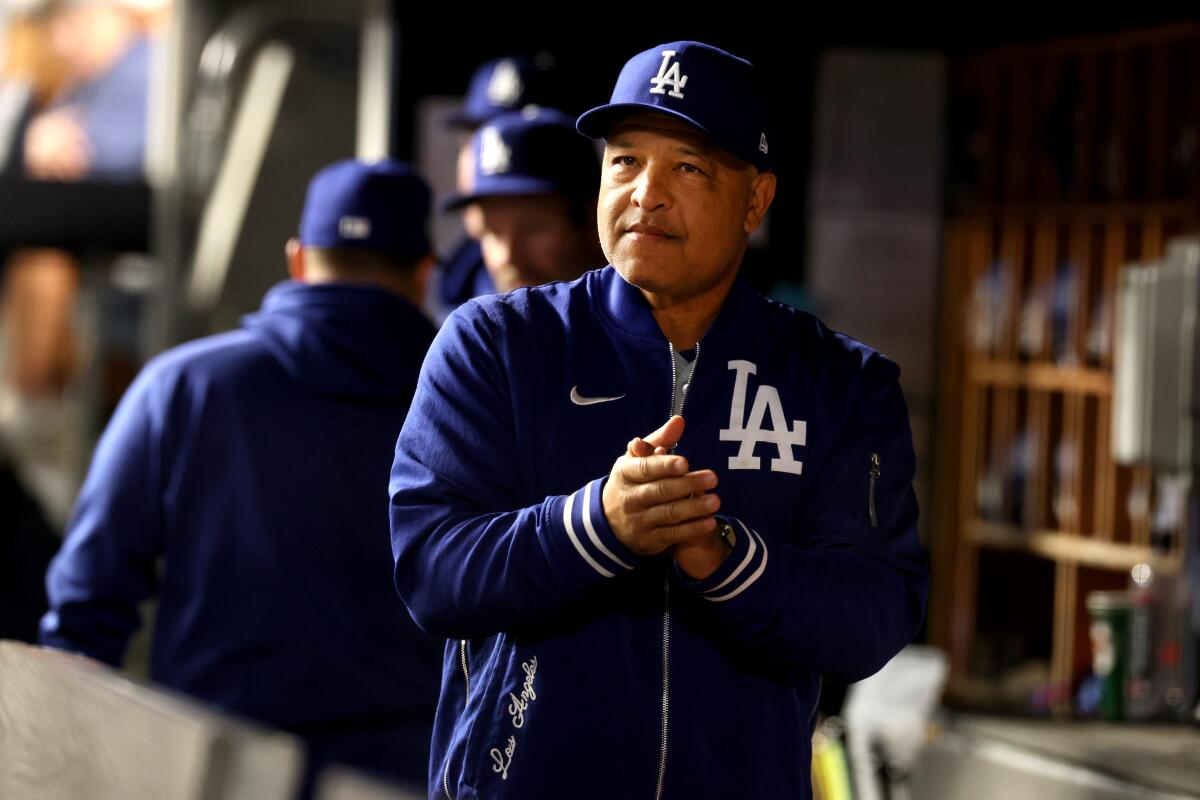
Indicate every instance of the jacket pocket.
{"type": "Point", "coordinates": [468, 760]}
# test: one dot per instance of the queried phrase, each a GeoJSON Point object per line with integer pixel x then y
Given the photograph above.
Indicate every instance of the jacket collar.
{"type": "Point", "coordinates": [625, 309]}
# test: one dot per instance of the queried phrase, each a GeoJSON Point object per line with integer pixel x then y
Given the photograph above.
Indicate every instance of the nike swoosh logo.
{"type": "Point", "coordinates": [580, 400]}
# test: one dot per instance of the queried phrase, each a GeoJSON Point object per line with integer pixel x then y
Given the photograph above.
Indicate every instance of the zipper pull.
{"type": "Point", "coordinates": [875, 473]}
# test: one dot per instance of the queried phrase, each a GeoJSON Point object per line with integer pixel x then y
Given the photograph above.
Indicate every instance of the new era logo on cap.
{"type": "Point", "coordinates": [354, 227]}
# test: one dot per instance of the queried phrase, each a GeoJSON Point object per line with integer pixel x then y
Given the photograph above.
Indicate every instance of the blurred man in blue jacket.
{"type": "Point", "coordinates": [253, 465]}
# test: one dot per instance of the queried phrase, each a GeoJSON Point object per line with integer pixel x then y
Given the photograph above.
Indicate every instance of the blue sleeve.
{"type": "Point", "coordinates": [472, 557]}
{"type": "Point", "coordinates": [107, 564]}
{"type": "Point", "coordinates": [853, 594]}
{"type": "Point", "coordinates": [114, 114]}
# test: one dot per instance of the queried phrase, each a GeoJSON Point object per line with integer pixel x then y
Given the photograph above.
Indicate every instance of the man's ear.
{"type": "Point", "coordinates": [421, 275]}
{"type": "Point", "coordinates": [762, 193]}
{"type": "Point", "coordinates": [295, 259]}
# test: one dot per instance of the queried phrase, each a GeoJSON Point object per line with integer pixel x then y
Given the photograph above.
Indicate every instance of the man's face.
{"type": "Point", "coordinates": [675, 209]}
{"type": "Point", "coordinates": [528, 240]}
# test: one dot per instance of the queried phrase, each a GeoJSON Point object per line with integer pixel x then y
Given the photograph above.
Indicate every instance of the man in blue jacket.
{"type": "Point", "coordinates": [643, 609]}
{"type": "Point", "coordinates": [253, 464]}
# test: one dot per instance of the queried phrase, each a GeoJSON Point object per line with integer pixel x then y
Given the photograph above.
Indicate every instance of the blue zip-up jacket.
{"type": "Point", "coordinates": [579, 669]}
{"type": "Point", "coordinates": [254, 465]}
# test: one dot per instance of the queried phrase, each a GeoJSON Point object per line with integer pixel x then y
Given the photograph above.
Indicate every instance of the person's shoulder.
{"type": "Point", "coordinates": [181, 378]}
{"type": "Point", "coordinates": [207, 358]}
{"type": "Point", "coordinates": [527, 307]}
{"type": "Point", "coordinates": [844, 356]}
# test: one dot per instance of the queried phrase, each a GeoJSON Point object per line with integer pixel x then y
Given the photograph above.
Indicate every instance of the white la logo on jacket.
{"type": "Point", "coordinates": [751, 431]}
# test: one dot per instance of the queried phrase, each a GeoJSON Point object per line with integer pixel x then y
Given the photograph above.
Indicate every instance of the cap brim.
{"type": "Point", "coordinates": [501, 187]}
{"type": "Point", "coordinates": [461, 120]}
{"type": "Point", "coordinates": [597, 122]}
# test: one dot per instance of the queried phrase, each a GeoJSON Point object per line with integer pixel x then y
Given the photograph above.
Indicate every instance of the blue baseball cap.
{"type": "Point", "coordinates": [702, 85]}
{"type": "Point", "coordinates": [376, 205]}
{"type": "Point", "coordinates": [532, 151]}
{"type": "Point", "coordinates": [503, 85]}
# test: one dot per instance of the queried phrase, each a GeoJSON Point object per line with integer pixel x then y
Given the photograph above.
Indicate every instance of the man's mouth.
{"type": "Point", "coordinates": [649, 232]}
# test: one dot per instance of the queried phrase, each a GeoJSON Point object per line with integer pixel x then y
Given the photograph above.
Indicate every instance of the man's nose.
{"type": "Point", "coordinates": [651, 192]}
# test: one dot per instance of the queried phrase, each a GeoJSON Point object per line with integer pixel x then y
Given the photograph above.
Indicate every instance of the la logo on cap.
{"type": "Point", "coordinates": [668, 75]}
{"type": "Point", "coordinates": [494, 154]}
{"type": "Point", "coordinates": [354, 227]}
{"type": "Point", "coordinates": [505, 86]}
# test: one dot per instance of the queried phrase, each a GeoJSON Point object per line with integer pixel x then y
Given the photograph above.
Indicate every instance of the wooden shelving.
{"type": "Point", "coordinates": [1065, 166]}
{"type": "Point", "coordinates": [1044, 377]}
{"type": "Point", "coordinates": [1065, 547]}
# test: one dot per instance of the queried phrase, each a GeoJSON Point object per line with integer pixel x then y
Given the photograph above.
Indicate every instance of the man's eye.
{"type": "Point", "coordinates": [691, 168]}
{"type": "Point", "coordinates": [624, 161]}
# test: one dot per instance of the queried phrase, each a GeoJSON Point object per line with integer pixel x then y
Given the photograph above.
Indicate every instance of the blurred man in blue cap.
{"type": "Point", "coordinates": [497, 87]}
{"type": "Point", "coordinates": [253, 464]}
{"type": "Point", "coordinates": [655, 625]}
{"type": "Point", "coordinates": [533, 184]}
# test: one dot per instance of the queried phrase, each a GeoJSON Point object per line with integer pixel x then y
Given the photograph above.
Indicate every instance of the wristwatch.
{"type": "Point", "coordinates": [725, 530]}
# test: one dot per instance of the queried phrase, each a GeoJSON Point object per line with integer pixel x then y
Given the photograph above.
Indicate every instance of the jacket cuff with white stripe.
{"type": "Point", "coordinates": [581, 540]}
{"type": "Point", "coordinates": [741, 571]}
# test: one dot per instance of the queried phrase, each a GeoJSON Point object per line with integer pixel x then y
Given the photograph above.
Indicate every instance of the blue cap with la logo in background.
{"type": "Point", "coordinates": [703, 85]}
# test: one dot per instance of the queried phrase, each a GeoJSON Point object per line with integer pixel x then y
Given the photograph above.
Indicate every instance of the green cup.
{"type": "Point", "coordinates": [1110, 648]}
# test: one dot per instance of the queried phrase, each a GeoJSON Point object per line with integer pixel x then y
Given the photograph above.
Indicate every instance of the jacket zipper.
{"type": "Point", "coordinates": [666, 686]}
{"type": "Point", "coordinates": [462, 658]}
{"type": "Point", "coordinates": [675, 387]}
{"type": "Point", "coordinates": [874, 473]}
{"type": "Point", "coordinates": [666, 637]}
